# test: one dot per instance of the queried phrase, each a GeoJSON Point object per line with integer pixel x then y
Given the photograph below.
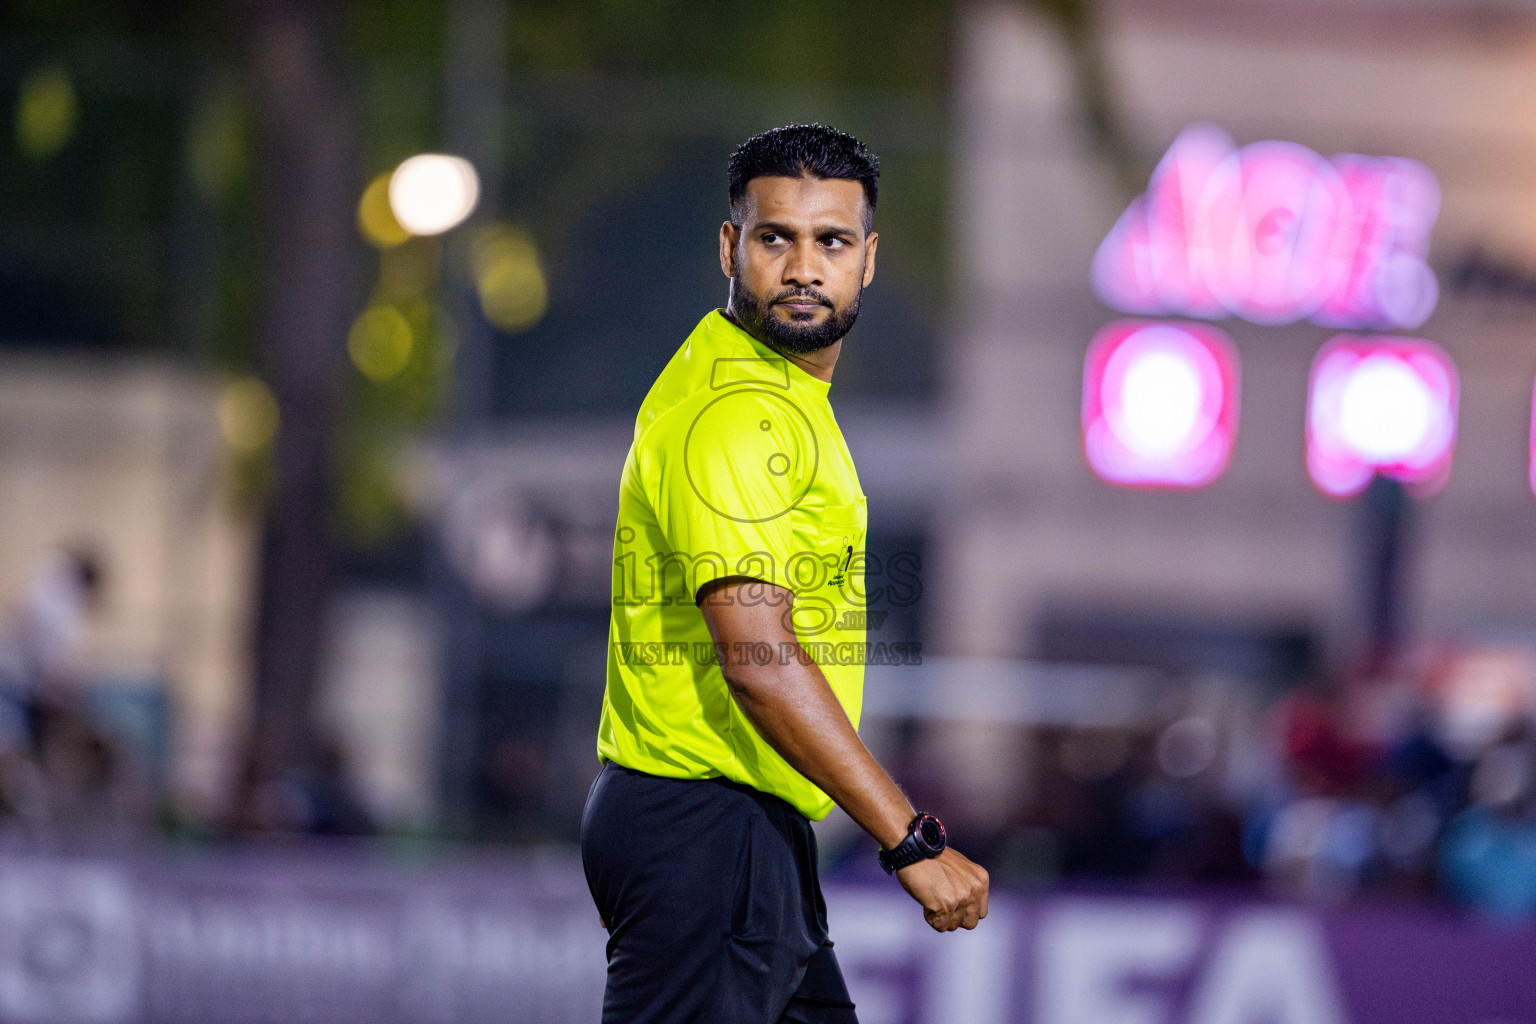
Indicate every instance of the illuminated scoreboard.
{"type": "Point", "coordinates": [1271, 233]}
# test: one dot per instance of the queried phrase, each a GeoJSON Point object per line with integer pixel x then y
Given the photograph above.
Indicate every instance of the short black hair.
{"type": "Point", "coordinates": [804, 149]}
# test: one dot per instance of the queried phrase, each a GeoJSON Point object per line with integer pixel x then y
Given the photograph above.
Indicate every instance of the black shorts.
{"type": "Point", "coordinates": [714, 913]}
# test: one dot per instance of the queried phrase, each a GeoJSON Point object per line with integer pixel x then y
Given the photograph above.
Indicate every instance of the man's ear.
{"type": "Point", "coordinates": [870, 242]}
{"type": "Point", "coordinates": [730, 234]}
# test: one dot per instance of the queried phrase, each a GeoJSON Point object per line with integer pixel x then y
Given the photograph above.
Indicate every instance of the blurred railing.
{"type": "Point", "coordinates": [1016, 692]}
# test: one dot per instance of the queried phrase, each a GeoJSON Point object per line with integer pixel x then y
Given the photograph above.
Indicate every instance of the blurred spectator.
{"type": "Point", "coordinates": [319, 802]}
{"type": "Point", "coordinates": [1319, 847]}
{"type": "Point", "coordinates": [89, 790]}
{"type": "Point", "coordinates": [1127, 804]}
{"type": "Point", "coordinates": [1337, 792]}
{"type": "Point", "coordinates": [1323, 757]}
{"type": "Point", "coordinates": [334, 808]}
{"type": "Point", "coordinates": [1489, 853]}
{"type": "Point", "coordinates": [63, 591]}
{"type": "Point", "coordinates": [64, 780]}
{"type": "Point", "coordinates": [1318, 838]}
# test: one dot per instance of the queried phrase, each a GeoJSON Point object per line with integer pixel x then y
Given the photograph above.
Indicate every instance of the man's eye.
{"type": "Point", "coordinates": [769, 238]}
{"type": "Point", "coordinates": [834, 243]}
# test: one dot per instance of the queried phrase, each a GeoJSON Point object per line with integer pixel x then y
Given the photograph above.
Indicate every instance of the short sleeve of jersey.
{"type": "Point", "coordinates": [731, 467]}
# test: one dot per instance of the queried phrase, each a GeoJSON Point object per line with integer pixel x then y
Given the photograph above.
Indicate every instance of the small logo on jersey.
{"type": "Point", "coordinates": [842, 570]}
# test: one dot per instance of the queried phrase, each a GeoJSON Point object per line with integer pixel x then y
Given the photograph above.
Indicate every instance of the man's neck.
{"type": "Point", "coordinates": [818, 364]}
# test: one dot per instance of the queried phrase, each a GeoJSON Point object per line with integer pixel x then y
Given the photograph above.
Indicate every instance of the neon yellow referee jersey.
{"type": "Point", "coordinates": [738, 468]}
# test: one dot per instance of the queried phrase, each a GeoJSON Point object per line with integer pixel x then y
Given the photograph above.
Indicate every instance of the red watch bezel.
{"type": "Point", "coordinates": [916, 830]}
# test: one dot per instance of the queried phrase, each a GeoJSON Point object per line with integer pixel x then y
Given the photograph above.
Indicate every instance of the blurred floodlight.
{"type": "Point", "coordinates": [376, 220]}
{"type": "Point", "coordinates": [433, 192]}
{"type": "Point", "coordinates": [1381, 405]}
{"type": "Point", "coordinates": [248, 415]}
{"type": "Point", "coordinates": [1386, 409]}
{"type": "Point", "coordinates": [47, 111]}
{"type": "Point", "coordinates": [380, 342]}
{"type": "Point", "coordinates": [1159, 404]}
{"type": "Point", "coordinates": [509, 277]}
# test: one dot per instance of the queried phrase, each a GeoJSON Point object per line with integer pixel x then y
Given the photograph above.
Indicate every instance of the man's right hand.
{"type": "Point", "coordinates": [952, 890]}
{"type": "Point", "coordinates": [795, 710]}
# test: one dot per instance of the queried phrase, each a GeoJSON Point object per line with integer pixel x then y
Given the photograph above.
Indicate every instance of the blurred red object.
{"type": "Point", "coordinates": [1322, 755]}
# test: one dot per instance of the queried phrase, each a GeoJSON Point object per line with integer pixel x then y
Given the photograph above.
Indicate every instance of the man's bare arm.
{"type": "Point", "coordinates": [797, 713]}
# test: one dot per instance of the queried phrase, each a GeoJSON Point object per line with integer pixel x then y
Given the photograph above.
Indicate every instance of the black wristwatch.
{"type": "Point", "coordinates": [925, 839]}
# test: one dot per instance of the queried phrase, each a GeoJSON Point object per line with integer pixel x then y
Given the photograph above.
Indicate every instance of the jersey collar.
{"type": "Point", "coordinates": [723, 336]}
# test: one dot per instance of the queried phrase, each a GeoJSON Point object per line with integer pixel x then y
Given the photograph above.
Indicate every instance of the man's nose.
{"type": "Point", "coordinates": [803, 267]}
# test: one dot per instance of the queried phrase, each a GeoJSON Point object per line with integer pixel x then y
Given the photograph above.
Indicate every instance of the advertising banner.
{"type": "Point", "coordinates": [343, 938]}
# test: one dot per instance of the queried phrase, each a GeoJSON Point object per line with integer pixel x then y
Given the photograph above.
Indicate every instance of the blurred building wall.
{"type": "Point", "coordinates": [1027, 527]}
{"type": "Point", "coordinates": [126, 461]}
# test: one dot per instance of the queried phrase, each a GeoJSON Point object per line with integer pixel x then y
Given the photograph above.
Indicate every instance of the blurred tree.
{"type": "Point", "coordinates": [305, 190]}
{"type": "Point", "coordinates": [1078, 23]}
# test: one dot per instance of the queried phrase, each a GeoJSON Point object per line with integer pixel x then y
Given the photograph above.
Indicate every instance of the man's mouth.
{"type": "Point", "coordinates": [801, 305]}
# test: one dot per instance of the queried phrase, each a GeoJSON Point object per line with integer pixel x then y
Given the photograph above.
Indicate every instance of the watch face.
{"type": "Point", "coordinates": [930, 833]}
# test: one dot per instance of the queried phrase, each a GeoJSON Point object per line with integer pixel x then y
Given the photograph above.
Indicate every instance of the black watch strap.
{"type": "Point", "coordinates": [925, 839]}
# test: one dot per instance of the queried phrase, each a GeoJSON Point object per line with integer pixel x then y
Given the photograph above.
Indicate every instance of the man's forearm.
{"type": "Point", "coordinates": [797, 713]}
{"type": "Point", "coordinates": [795, 710]}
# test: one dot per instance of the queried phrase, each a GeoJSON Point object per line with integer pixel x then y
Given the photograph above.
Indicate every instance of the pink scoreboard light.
{"type": "Point", "coordinates": [1159, 403]}
{"type": "Point", "coordinates": [1381, 405]}
{"type": "Point", "coordinates": [1274, 233]}
{"type": "Point", "coordinates": [1533, 442]}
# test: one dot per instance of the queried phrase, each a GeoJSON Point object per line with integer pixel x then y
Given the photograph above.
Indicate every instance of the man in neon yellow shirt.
{"type": "Point", "coordinates": [735, 669]}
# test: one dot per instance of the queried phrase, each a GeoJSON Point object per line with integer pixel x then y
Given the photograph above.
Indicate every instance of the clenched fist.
{"type": "Point", "coordinates": [952, 890]}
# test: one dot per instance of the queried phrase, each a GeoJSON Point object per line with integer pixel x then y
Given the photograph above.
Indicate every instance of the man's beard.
{"type": "Point", "coordinates": [789, 336]}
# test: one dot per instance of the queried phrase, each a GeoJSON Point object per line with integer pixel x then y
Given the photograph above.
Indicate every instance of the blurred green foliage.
{"type": "Point", "coordinates": [858, 44]}
{"type": "Point", "coordinates": [799, 44]}
{"type": "Point", "coordinates": [133, 226]}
